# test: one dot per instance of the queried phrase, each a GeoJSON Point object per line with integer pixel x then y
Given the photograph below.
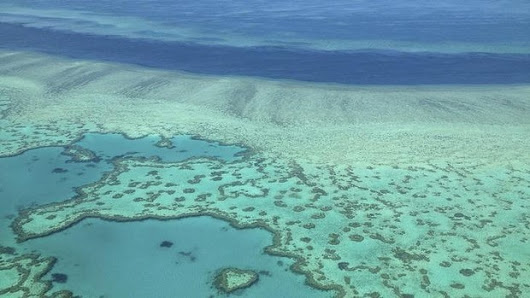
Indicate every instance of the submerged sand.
{"type": "Point", "coordinates": [317, 122]}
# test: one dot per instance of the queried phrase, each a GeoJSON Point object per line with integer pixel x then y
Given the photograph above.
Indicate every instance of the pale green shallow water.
{"type": "Point", "coordinates": [109, 259]}
{"type": "Point", "coordinates": [437, 207]}
{"type": "Point", "coordinates": [434, 228]}
{"type": "Point", "coordinates": [116, 259]}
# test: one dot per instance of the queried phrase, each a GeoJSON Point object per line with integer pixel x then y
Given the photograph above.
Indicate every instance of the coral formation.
{"type": "Point", "coordinates": [80, 154]}
{"type": "Point", "coordinates": [385, 225]}
{"type": "Point", "coordinates": [229, 280]}
{"type": "Point", "coordinates": [22, 276]}
{"type": "Point", "coordinates": [373, 191]}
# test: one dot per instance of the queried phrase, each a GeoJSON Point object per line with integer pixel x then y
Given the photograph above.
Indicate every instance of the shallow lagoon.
{"type": "Point", "coordinates": [110, 259]}
{"type": "Point", "coordinates": [45, 175]}
{"type": "Point", "coordinates": [115, 259]}
{"type": "Point", "coordinates": [434, 222]}
{"type": "Point", "coordinates": [178, 148]}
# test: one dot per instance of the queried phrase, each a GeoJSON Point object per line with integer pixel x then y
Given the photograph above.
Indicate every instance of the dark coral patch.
{"type": "Point", "coordinates": [59, 277]}
{"type": "Point", "coordinates": [343, 265]}
{"type": "Point", "coordinates": [467, 272]}
{"type": "Point", "coordinates": [166, 243]}
{"type": "Point", "coordinates": [356, 238]}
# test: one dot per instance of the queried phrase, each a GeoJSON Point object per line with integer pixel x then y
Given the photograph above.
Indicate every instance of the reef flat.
{"type": "Point", "coordinates": [229, 280]}
{"type": "Point", "coordinates": [21, 275]}
{"type": "Point", "coordinates": [433, 229]}
{"type": "Point", "coordinates": [373, 190]}
{"type": "Point", "coordinates": [54, 100]}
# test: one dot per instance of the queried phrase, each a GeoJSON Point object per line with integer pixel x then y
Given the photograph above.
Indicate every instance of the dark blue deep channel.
{"type": "Point", "coordinates": [359, 67]}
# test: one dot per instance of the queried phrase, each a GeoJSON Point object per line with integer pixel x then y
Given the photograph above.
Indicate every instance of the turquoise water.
{"type": "Point", "coordinates": [44, 175]}
{"type": "Point", "coordinates": [112, 259]}
{"type": "Point", "coordinates": [116, 259]}
{"type": "Point", "coordinates": [108, 146]}
{"type": "Point", "coordinates": [384, 144]}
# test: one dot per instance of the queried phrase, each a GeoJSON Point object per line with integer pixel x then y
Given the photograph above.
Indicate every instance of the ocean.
{"type": "Point", "coordinates": [264, 148]}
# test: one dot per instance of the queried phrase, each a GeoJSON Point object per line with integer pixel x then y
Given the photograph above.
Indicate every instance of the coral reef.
{"type": "Point", "coordinates": [229, 280]}
{"type": "Point", "coordinates": [386, 226]}
{"type": "Point", "coordinates": [22, 276]}
{"type": "Point", "coordinates": [374, 191]}
{"type": "Point", "coordinates": [80, 154]}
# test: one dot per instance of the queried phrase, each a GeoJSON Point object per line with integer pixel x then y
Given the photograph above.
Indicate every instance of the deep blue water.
{"type": "Point", "coordinates": [350, 67]}
{"type": "Point", "coordinates": [405, 20]}
{"type": "Point", "coordinates": [29, 178]}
